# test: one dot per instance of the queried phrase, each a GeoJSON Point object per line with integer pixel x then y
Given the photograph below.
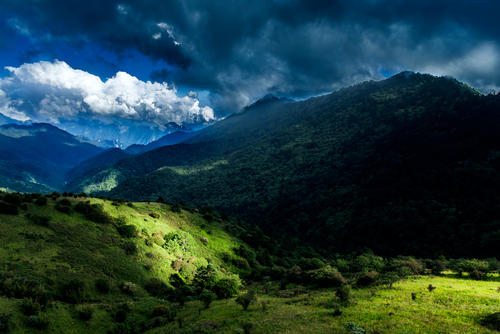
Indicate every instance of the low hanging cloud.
{"type": "Point", "coordinates": [55, 92]}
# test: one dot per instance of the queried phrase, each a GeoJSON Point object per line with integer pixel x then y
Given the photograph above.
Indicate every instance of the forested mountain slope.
{"type": "Point", "coordinates": [406, 165]}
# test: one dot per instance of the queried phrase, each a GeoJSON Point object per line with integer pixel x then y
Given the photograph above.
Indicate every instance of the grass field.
{"type": "Point", "coordinates": [70, 246]}
{"type": "Point", "coordinates": [455, 306]}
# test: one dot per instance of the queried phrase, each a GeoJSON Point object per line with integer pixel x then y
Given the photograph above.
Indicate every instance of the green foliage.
{"type": "Point", "coordinates": [354, 328]}
{"type": "Point", "coordinates": [247, 299]}
{"type": "Point", "coordinates": [326, 277]}
{"type": "Point", "coordinates": [477, 269]}
{"type": "Point", "coordinates": [311, 263]}
{"type": "Point", "coordinates": [40, 220]}
{"type": "Point", "coordinates": [39, 322]}
{"type": "Point", "coordinates": [72, 291]}
{"type": "Point", "coordinates": [226, 288]}
{"type": "Point", "coordinates": [8, 209]}
{"type": "Point", "coordinates": [207, 297]}
{"type": "Point", "coordinates": [388, 279]}
{"type": "Point", "coordinates": [344, 294]}
{"type": "Point", "coordinates": [84, 312]}
{"type": "Point", "coordinates": [129, 288]}
{"type": "Point", "coordinates": [41, 201]}
{"type": "Point", "coordinates": [127, 231]}
{"type": "Point", "coordinates": [30, 307]}
{"type": "Point", "coordinates": [376, 165]}
{"type": "Point", "coordinates": [178, 242]}
{"type": "Point", "coordinates": [13, 198]}
{"type": "Point", "coordinates": [93, 212]}
{"type": "Point", "coordinates": [4, 323]}
{"type": "Point", "coordinates": [154, 215]}
{"type": "Point", "coordinates": [129, 247]}
{"type": "Point", "coordinates": [175, 208]}
{"type": "Point", "coordinates": [158, 288]}
{"type": "Point", "coordinates": [492, 321]}
{"type": "Point", "coordinates": [102, 285]}
{"type": "Point", "coordinates": [367, 278]}
{"type": "Point", "coordinates": [205, 278]}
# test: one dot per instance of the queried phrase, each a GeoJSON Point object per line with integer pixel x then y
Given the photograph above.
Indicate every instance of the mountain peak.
{"type": "Point", "coordinates": [268, 99]}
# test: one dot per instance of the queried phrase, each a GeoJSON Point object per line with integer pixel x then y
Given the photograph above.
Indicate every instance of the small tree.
{"type": "Point", "coordinates": [344, 294]}
{"type": "Point", "coordinates": [246, 299]}
{"type": "Point", "coordinates": [207, 297]}
{"type": "Point", "coordinates": [388, 279]}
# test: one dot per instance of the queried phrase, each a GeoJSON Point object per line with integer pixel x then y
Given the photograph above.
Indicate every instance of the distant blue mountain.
{"type": "Point", "coordinates": [36, 157]}
{"type": "Point", "coordinates": [170, 139]}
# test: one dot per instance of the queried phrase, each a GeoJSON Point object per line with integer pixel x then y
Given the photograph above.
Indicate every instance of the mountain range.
{"type": "Point", "coordinates": [36, 157]}
{"type": "Point", "coordinates": [405, 165]}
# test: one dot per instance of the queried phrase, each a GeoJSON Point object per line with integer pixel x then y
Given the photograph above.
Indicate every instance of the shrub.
{"type": "Point", "coordinates": [178, 242]}
{"type": "Point", "coordinates": [311, 263]}
{"type": "Point", "coordinates": [129, 247]}
{"type": "Point", "coordinates": [41, 201]}
{"type": "Point", "coordinates": [30, 306]}
{"type": "Point", "coordinates": [204, 278]}
{"type": "Point", "coordinates": [226, 288]}
{"type": "Point", "coordinates": [102, 285]}
{"type": "Point", "coordinates": [37, 322]}
{"type": "Point", "coordinates": [62, 208]}
{"type": "Point", "coordinates": [20, 287]}
{"type": "Point", "coordinates": [40, 220]}
{"type": "Point", "coordinates": [13, 198]}
{"type": "Point", "coordinates": [246, 253]}
{"type": "Point", "coordinates": [241, 263]}
{"type": "Point", "coordinates": [127, 231]}
{"type": "Point", "coordinates": [207, 297]}
{"type": "Point", "coordinates": [246, 299]}
{"type": "Point", "coordinates": [367, 278]}
{"type": "Point", "coordinates": [54, 195]}
{"type": "Point", "coordinates": [4, 323]}
{"type": "Point", "coordinates": [247, 327]}
{"type": "Point", "coordinates": [477, 274]}
{"type": "Point", "coordinates": [157, 288]}
{"type": "Point", "coordinates": [120, 316]}
{"type": "Point", "coordinates": [414, 265]}
{"type": "Point", "coordinates": [163, 311]}
{"type": "Point", "coordinates": [326, 277]}
{"type": "Point", "coordinates": [436, 266]}
{"type": "Point", "coordinates": [469, 265]}
{"type": "Point", "coordinates": [492, 321]}
{"type": "Point", "coordinates": [176, 280]}
{"type": "Point", "coordinates": [8, 209]}
{"type": "Point", "coordinates": [388, 279]}
{"type": "Point", "coordinates": [175, 208]}
{"type": "Point", "coordinates": [64, 202]}
{"type": "Point", "coordinates": [344, 294]}
{"type": "Point", "coordinates": [354, 328]}
{"type": "Point", "coordinates": [72, 291]}
{"type": "Point", "coordinates": [84, 312]}
{"type": "Point", "coordinates": [129, 288]}
{"type": "Point", "coordinates": [368, 262]}
{"type": "Point", "coordinates": [93, 212]}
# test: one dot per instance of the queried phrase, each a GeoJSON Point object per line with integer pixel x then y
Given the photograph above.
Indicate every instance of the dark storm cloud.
{"type": "Point", "coordinates": [240, 50]}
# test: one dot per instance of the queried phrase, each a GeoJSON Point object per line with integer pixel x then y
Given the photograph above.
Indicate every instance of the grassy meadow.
{"type": "Point", "coordinates": [116, 269]}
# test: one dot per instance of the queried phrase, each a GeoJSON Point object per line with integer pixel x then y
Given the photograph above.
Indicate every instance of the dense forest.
{"type": "Point", "coordinates": [408, 165]}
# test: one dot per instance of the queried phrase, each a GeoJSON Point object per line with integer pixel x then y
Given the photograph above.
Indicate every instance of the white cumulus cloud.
{"type": "Point", "coordinates": [55, 92]}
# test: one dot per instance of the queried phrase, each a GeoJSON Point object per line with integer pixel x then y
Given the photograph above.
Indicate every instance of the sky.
{"type": "Point", "coordinates": [192, 62]}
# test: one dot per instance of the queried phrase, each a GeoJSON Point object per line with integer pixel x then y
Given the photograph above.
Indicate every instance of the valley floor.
{"type": "Point", "coordinates": [455, 306]}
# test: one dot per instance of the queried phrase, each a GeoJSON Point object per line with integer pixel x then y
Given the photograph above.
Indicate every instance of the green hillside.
{"type": "Point", "coordinates": [73, 264]}
{"type": "Point", "coordinates": [408, 165]}
{"type": "Point", "coordinates": [74, 251]}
